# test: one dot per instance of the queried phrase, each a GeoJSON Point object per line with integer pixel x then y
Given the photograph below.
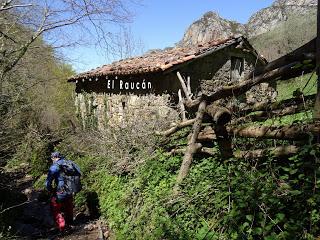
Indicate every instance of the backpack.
{"type": "Point", "coordinates": [71, 176]}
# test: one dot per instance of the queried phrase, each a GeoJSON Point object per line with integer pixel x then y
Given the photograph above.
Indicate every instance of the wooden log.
{"type": "Point", "coordinates": [189, 86]}
{"type": "Point", "coordinates": [220, 115]}
{"type": "Point", "coordinates": [185, 88]}
{"type": "Point", "coordinates": [181, 106]}
{"type": "Point", "coordinates": [176, 127]}
{"type": "Point", "coordinates": [224, 141]}
{"type": "Point", "coordinates": [207, 135]}
{"type": "Point", "coordinates": [250, 154]}
{"type": "Point", "coordinates": [244, 86]}
{"type": "Point", "coordinates": [264, 115]}
{"type": "Point", "coordinates": [267, 106]}
{"type": "Point", "coordinates": [293, 132]}
{"type": "Point", "coordinates": [304, 52]}
{"type": "Point", "coordinates": [183, 150]}
{"type": "Point", "coordinates": [262, 153]}
{"type": "Point", "coordinates": [192, 146]}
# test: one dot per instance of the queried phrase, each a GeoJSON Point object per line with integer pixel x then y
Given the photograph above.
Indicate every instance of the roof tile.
{"type": "Point", "coordinates": [155, 61]}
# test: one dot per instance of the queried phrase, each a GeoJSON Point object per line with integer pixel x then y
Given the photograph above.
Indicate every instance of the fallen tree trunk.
{"type": "Point", "coordinates": [264, 115]}
{"type": "Point", "coordinates": [261, 153]}
{"type": "Point", "coordinates": [176, 128]}
{"type": "Point", "coordinates": [250, 154]}
{"type": "Point", "coordinates": [244, 86]}
{"type": "Point", "coordinates": [192, 146]}
{"type": "Point", "coordinates": [266, 106]}
{"type": "Point", "coordinates": [207, 135]}
{"type": "Point", "coordinates": [224, 141]}
{"type": "Point", "coordinates": [219, 115]}
{"type": "Point", "coordinates": [304, 52]}
{"type": "Point", "coordinates": [293, 132]}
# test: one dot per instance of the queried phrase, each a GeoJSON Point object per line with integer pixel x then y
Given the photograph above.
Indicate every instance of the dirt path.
{"type": "Point", "coordinates": [31, 216]}
{"type": "Point", "coordinates": [80, 232]}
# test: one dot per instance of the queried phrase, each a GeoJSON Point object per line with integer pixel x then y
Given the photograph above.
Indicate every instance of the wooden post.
{"type": "Point", "coordinates": [181, 106]}
{"type": "Point", "coordinates": [192, 147]}
{"type": "Point", "coordinates": [317, 104]}
{"type": "Point", "coordinates": [224, 141]}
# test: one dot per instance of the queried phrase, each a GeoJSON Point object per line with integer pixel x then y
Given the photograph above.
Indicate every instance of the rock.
{"type": "Point", "coordinates": [89, 227]}
{"type": "Point", "coordinates": [268, 18]}
{"type": "Point", "coordinates": [31, 194]}
{"type": "Point", "coordinates": [106, 234]}
{"type": "Point", "coordinates": [211, 26]}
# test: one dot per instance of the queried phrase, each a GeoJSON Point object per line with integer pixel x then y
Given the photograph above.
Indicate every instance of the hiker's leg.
{"type": "Point", "coordinates": [57, 214]}
{"type": "Point", "coordinates": [68, 209]}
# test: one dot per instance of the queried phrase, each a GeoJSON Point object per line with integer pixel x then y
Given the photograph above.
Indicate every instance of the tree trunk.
{"type": "Point", "coordinates": [262, 153]}
{"type": "Point", "coordinates": [316, 114]}
{"type": "Point", "coordinates": [264, 115]}
{"type": "Point", "coordinates": [224, 141]}
{"type": "Point", "coordinates": [295, 132]}
{"type": "Point", "coordinates": [258, 153]}
{"type": "Point", "coordinates": [176, 127]}
{"type": "Point", "coordinates": [192, 146]}
{"type": "Point", "coordinates": [181, 106]}
{"type": "Point", "coordinates": [250, 154]}
{"type": "Point", "coordinates": [220, 115]}
{"type": "Point", "coordinates": [304, 52]}
{"type": "Point", "coordinates": [266, 106]}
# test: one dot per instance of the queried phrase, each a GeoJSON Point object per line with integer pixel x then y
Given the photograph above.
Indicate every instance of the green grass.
{"type": "Point", "coordinates": [289, 119]}
{"type": "Point", "coordinates": [306, 84]}
{"type": "Point", "coordinates": [287, 36]}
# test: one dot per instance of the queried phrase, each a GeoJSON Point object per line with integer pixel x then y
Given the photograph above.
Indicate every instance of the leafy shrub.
{"type": "Point", "coordinates": [273, 199]}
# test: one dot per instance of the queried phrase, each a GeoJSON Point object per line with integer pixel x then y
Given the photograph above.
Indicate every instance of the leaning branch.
{"type": "Point", "coordinates": [241, 88]}
{"type": "Point", "coordinates": [186, 89]}
{"type": "Point", "coordinates": [305, 52]}
{"type": "Point", "coordinates": [192, 145]}
{"type": "Point", "coordinates": [3, 8]}
{"type": "Point", "coordinates": [291, 69]}
{"type": "Point", "coordinates": [176, 127]}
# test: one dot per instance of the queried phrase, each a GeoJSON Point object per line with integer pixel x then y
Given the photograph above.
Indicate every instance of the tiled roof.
{"type": "Point", "coordinates": [156, 61]}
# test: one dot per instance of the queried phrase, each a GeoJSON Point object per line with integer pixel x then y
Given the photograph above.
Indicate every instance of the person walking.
{"type": "Point", "coordinates": [60, 184]}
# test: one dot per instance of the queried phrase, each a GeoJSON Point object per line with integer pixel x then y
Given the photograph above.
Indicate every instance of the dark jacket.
{"type": "Point", "coordinates": [55, 175]}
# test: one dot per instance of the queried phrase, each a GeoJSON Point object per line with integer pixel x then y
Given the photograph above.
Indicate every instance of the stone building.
{"type": "Point", "coordinates": [145, 86]}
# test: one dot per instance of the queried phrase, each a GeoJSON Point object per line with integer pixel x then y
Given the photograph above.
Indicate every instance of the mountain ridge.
{"type": "Point", "coordinates": [212, 26]}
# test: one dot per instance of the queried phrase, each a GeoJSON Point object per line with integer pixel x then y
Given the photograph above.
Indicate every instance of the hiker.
{"type": "Point", "coordinates": [66, 176]}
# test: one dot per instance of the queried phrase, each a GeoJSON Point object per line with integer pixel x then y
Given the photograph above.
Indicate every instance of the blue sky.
{"type": "Point", "coordinates": [161, 23]}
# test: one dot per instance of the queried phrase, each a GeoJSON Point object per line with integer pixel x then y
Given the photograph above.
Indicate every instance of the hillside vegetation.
{"type": "Point", "coordinates": [132, 171]}
{"type": "Point", "coordinates": [263, 198]}
{"type": "Point", "coordinates": [286, 36]}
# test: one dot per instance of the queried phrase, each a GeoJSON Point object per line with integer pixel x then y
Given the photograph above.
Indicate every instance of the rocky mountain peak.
{"type": "Point", "coordinates": [212, 26]}
{"type": "Point", "coordinates": [267, 18]}
{"type": "Point", "coordinates": [300, 3]}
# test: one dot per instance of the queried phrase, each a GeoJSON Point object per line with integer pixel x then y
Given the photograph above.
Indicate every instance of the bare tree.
{"type": "Point", "coordinates": [125, 44]}
{"type": "Point", "coordinates": [61, 22]}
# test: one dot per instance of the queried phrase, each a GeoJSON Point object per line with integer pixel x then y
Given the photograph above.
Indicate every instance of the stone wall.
{"type": "Point", "coordinates": [98, 110]}
{"type": "Point", "coordinates": [222, 77]}
{"type": "Point", "coordinates": [99, 106]}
